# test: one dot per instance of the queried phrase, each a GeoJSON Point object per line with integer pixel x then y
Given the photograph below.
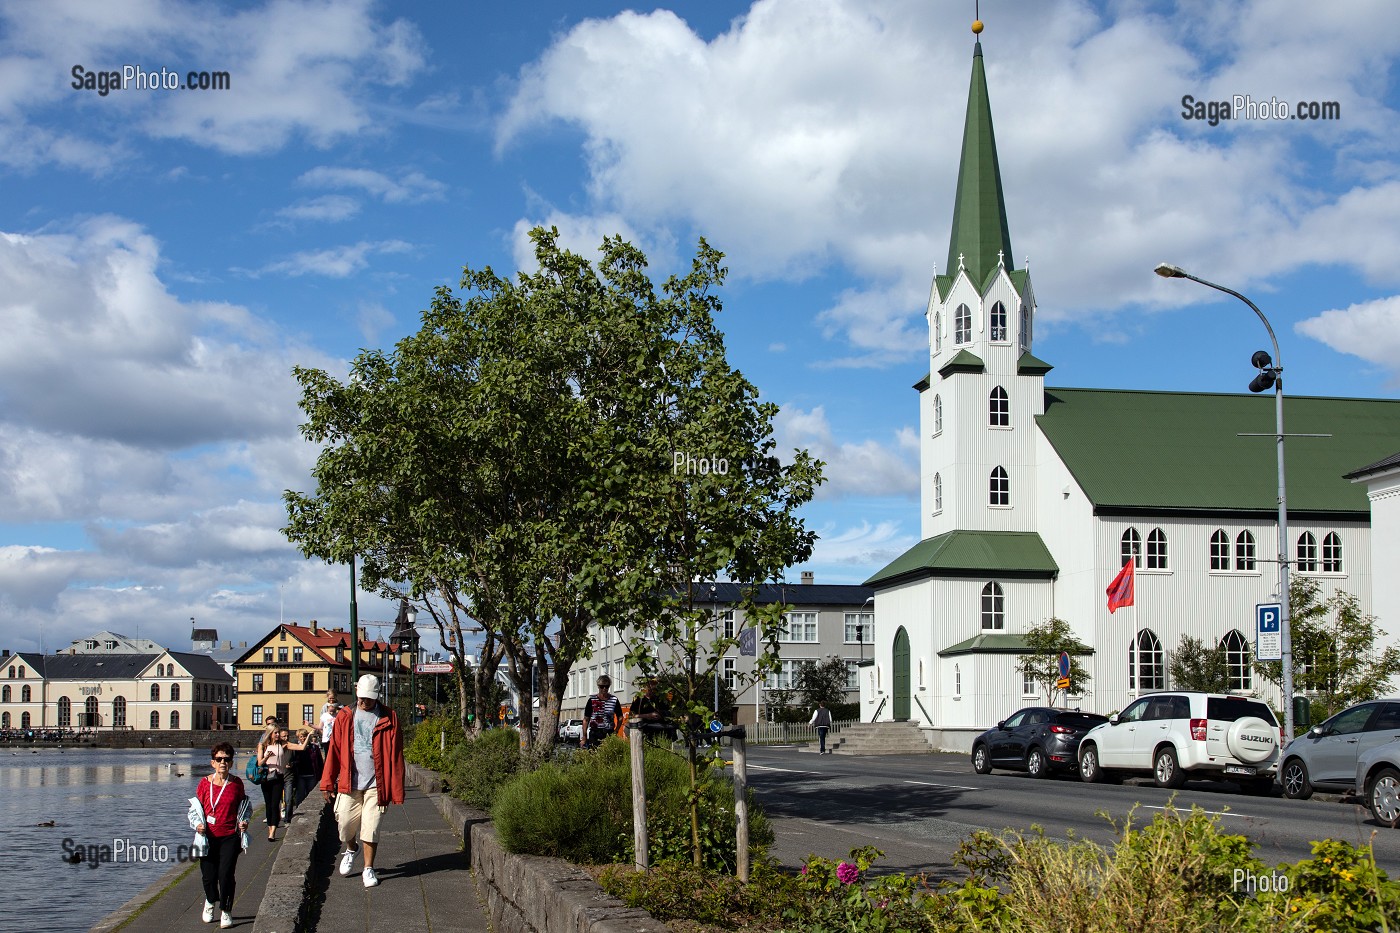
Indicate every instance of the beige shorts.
{"type": "Point", "coordinates": [357, 814]}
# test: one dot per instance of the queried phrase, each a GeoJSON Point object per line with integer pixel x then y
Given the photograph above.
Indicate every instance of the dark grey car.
{"type": "Point", "coordinates": [1037, 740]}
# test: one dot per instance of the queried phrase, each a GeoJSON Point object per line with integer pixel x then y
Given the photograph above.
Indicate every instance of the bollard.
{"type": "Point", "coordinates": [639, 796]}
{"type": "Point", "coordinates": [741, 801]}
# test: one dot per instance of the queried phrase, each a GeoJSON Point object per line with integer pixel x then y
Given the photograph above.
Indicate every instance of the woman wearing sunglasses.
{"type": "Point", "coordinates": [225, 820]}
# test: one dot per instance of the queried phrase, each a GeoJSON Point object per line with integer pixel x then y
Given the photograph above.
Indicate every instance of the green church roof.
{"type": "Point", "coordinates": [1028, 365]}
{"type": "Point", "coordinates": [1176, 451]}
{"type": "Point", "coordinates": [992, 643]}
{"type": "Point", "coordinates": [972, 553]}
{"type": "Point", "coordinates": [980, 230]}
{"type": "Point", "coordinates": [963, 362]}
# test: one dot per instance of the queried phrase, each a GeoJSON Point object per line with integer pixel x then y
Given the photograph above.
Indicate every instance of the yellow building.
{"type": "Point", "coordinates": [287, 673]}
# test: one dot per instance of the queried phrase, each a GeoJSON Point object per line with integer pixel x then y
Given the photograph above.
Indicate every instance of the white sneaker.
{"type": "Point", "coordinates": [225, 921]}
{"type": "Point", "coordinates": [208, 916]}
{"type": "Point", "coordinates": [347, 861]}
{"type": "Point", "coordinates": [371, 879]}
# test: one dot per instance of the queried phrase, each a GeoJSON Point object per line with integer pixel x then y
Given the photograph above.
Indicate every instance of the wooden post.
{"type": "Point", "coordinates": [741, 805]}
{"type": "Point", "coordinates": [639, 796]}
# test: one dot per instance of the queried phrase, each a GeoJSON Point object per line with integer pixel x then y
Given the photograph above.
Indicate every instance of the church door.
{"type": "Point", "coordinates": [901, 675]}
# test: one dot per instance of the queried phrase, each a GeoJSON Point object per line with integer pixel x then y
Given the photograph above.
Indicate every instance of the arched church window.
{"type": "Point", "coordinates": [1332, 553]}
{"type": "Point", "coordinates": [962, 326]}
{"type": "Point", "coordinates": [937, 331]}
{"type": "Point", "coordinates": [1025, 328]}
{"type": "Point", "coordinates": [1131, 549]}
{"type": "Point", "coordinates": [1307, 552]}
{"type": "Point", "coordinates": [993, 608]}
{"type": "Point", "coordinates": [1237, 660]}
{"type": "Point", "coordinates": [1146, 670]}
{"type": "Point", "coordinates": [999, 488]}
{"type": "Point", "coordinates": [1244, 551]}
{"type": "Point", "coordinates": [938, 414]}
{"type": "Point", "coordinates": [999, 409]}
{"type": "Point", "coordinates": [998, 323]}
{"type": "Point", "coordinates": [937, 492]}
{"type": "Point", "coordinates": [1220, 550]}
{"type": "Point", "coordinates": [1157, 550]}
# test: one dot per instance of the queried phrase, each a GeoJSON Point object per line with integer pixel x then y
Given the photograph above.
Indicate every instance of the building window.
{"type": "Point", "coordinates": [937, 415]}
{"type": "Point", "coordinates": [257, 716]}
{"type": "Point", "coordinates": [962, 326]}
{"type": "Point", "coordinates": [296, 655]}
{"type": "Point", "coordinates": [937, 492]}
{"type": "Point", "coordinates": [1131, 549]}
{"type": "Point", "coordinates": [155, 693]}
{"type": "Point", "coordinates": [65, 712]}
{"type": "Point", "coordinates": [21, 672]}
{"type": "Point", "coordinates": [1146, 670]}
{"type": "Point", "coordinates": [308, 681]}
{"type": "Point", "coordinates": [1332, 553]}
{"type": "Point", "coordinates": [1157, 550]}
{"type": "Point", "coordinates": [1307, 553]}
{"type": "Point", "coordinates": [998, 323]}
{"type": "Point", "coordinates": [174, 693]}
{"type": "Point", "coordinates": [5, 694]}
{"type": "Point", "coordinates": [852, 675]}
{"type": "Point", "coordinates": [731, 673]}
{"type": "Point", "coordinates": [110, 645]}
{"type": "Point", "coordinates": [957, 680]}
{"type": "Point", "coordinates": [860, 628]}
{"type": "Point", "coordinates": [993, 608]}
{"type": "Point", "coordinates": [1237, 660]}
{"type": "Point", "coordinates": [90, 644]}
{"type": "Point", "coordinates": [267, 655]}
{"type": "Point", "coordinates": [1244, 551]}
{"type": "Point", "coordinates": [1220, 550]}
{"type": "Point", "coordinates": [284, 683]}
{"type": "Point", "coordinates": [155, 719]}
{"type": "Point", "coordinates": [785, 677]}
{"type": "Point", "coordinates": [12, 672]}
{"type": "Point", "coordinates": [999, 488]}
{"type": "Point", "coordinates": [1028, 685]}
{"type": "Point", "coordinates": [281, 655]}
{"type": "Point", "coordinates": [937, 331]}
{"type": "Point", "coordinates": [4, 720]}
{"type": "Point", "coordinates": [24, 720]}
{"type": "Point", "coordinates": [800, 627]}
{"type": "Point", "coordinates": [174, 719]}
{"type": "Point", "coordinates": [26, 695]}
{"type": "Point", "coordinates": [999, 409]}
{"type": "Point", "coordinates": [257, 683]}
{"type": "Point", "coordinates": [119, 712]}
{"type": "Point", "coordinates": [728, 618]}
{"type": "Point", "coordinates": [308, 711]}
{"type": "Point", "coordinates": [1025, 328]}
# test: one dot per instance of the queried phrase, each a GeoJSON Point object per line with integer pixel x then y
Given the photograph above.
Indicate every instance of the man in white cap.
{"type": "Point", "coordinates": [364, 773]}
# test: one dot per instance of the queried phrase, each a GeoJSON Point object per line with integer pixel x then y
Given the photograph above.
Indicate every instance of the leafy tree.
{"type": "Point", "coordinates": [822, 681]}
{"type": "Point", "coordinates": [1046, 642]}
{"type": "Point", "coordinates": [1336, 653]}
{"type": "Point", "coordinates": [1197, 667]}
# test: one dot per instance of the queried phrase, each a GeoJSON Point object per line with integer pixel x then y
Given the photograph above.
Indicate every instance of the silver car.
{"type": "Point", "coordinates": [1378, 774]}
{"type": "Point", "coordinates": [1324, 758]}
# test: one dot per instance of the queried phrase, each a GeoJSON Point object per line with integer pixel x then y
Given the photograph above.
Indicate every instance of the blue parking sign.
{"type": "Point", "coordinates": [1268, 628]}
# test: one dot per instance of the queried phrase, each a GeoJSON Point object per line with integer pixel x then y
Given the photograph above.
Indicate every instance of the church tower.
{"type": "Point", "coordinates": [984, 388]}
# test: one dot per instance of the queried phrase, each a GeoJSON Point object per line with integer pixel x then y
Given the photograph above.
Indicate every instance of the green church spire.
{"type": "Point", "coordinates": [980, 235]}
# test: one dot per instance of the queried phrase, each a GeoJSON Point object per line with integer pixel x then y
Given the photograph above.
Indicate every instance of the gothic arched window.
{"type": "Point", "coordinates": [999, 408]}
{"type": "Point", "coordinates": [999, 488]}
{"type": "Point", "coordinates": [1146, 670]}
{"type": "Point", "coordinates": [1131, 549]}
{"type": "Point", "coordinates": [1244, 551]}
{"type": "Point", "coordinates": [1237, 660]}
{"type": "Point", "coordinates": [993, 608]}
{"type": "Point", "coordinates": [998, 323]}
{"type": "Point", "coordinates": [962, 326]}
{"type": "Point", "coordinates": [1220, 550]}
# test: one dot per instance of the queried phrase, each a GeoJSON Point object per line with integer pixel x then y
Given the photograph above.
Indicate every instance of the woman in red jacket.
{"type": "Point", "coordinates": [221, 795]}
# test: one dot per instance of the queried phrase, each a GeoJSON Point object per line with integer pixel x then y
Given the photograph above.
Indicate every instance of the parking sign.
{"type": "Point", "coordinates": [1268, 629]}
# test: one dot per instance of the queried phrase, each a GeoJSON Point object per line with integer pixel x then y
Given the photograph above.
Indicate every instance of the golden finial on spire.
{"type": "Point", "coordinates": [976, 27]}
{"type": "Point", "coordinates": [976, 17]}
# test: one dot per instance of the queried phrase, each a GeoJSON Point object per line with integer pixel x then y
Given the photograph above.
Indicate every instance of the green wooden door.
{"type": "Point", "coordinates": [901, 675]}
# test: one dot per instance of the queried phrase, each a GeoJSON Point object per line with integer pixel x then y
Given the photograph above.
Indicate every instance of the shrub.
{"type": "Point", "coordinates": [425, 738]}
{"type": "Point", "coordinates": [673, 891]}
{"type": "Point", "coordinates": [480, 766]}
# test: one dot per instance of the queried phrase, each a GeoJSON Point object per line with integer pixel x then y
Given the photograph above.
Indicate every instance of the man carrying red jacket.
{"type": "Point", "coordinates": [364, 773]}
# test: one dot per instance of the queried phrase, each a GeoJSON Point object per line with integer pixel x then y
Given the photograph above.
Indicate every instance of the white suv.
{"type": "Point", "coordinates": [1181, 733]}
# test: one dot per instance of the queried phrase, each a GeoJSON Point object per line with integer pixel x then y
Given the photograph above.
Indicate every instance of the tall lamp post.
{"type": "Point", "coordinates": [1270, 374]}
{"type": "Point", "coordinates": [354, 628]}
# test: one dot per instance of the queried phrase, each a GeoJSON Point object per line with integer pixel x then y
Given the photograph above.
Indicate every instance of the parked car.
{"type": "Point", "coordinates": [1186, 733]}
{"type": "Point", "coordinates": [1325, 756]}
{"type": "Point", "coordinates": [1037, 739]}
{"type": "Point", "coordinates": [571, 730]}
{"type": "Point", "coordinates": [1378, 775]}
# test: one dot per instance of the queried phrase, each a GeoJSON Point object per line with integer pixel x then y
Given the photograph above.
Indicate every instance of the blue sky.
{"type": "Point", "coordinates": [166, 257]}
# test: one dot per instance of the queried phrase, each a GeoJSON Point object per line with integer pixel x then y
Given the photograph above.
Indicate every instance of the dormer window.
{"type": "Point", "coordinates": [962, 326]}
{"type": "Point", "coordinates": [90, 644]}
{"type": "Point", "coordinates": [998, 323]}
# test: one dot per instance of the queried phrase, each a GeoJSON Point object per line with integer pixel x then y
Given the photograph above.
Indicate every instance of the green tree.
{"type": "Point", "coordinates": [1045, 643]}
{"type": "Point", "coordinates": [1197, 667]}
{"type": "Point", "coordinates": [511, 466]}
{"type": "Point", "coordinates": [1337, 657]}
{"type": "Point", "coordinates": [822, 681]}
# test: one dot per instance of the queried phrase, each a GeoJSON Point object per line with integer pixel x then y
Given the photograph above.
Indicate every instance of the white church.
{"type": "Point", "coordinates": [1034, 497]}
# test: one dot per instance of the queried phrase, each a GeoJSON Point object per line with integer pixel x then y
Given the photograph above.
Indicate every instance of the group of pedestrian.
{"type": "Point", "coordinates": [361, 772]}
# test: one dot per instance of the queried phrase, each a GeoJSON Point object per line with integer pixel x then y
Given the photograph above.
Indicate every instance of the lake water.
{"type": "Point", "coordinates": [121, 799]}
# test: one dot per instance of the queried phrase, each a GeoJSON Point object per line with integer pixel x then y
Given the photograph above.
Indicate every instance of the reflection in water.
{"type": "Point", "coordinates": [93, 797]}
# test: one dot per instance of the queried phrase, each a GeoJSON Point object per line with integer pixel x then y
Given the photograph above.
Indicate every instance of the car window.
{"type": "Point", "coordinates": [1016, 720]}
{"type": "Point", "coordinates": [1387, 719]}
{"type": "Point", "coordinates": [1351, 720]}
{"type": "Point", "coordinates": [1135, 712]}
{"type": "Point", "coordinates": [1159, 708]}
{"type": "Point", "coordinates": [1080, 720]}
{"type": "Point", "coordinates": [1037, 717]}
{"type": "Point", "coordinates": [1231, 709]}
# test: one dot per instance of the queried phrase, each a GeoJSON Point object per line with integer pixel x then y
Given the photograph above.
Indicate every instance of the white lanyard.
{"type": "Point", "coordinates": [214, 801]}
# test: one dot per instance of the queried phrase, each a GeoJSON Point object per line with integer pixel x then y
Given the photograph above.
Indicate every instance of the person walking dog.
{"type": "Point", "coordinates": [364, 773]}
{"type": "Point", "coordinates": [821, 718]}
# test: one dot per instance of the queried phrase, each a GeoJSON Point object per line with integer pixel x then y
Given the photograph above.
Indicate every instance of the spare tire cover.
{"type": "Point", "coordinates": [1251, 739]}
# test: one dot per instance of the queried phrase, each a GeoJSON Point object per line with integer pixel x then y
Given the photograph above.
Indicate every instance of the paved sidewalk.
{"type": "Point", "coordinates": [425, 880]}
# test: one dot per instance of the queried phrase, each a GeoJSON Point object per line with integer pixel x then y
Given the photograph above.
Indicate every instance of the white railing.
{"type": "Point", "coordinates": [786, 733]}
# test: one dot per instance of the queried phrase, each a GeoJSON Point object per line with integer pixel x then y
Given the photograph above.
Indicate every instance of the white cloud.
{"type": "Point", "coordinates": [337, 262]}
{"type": "Point", "coordinates": [330, 207]}
{"type": "Point", "coordinates": [820, 132]}
{"type": "Point", "coordinates": [1369, 330]}
{"type": "Point", "coordinates": [868, 468]}
{"type": "Point", "coordinates": [864, 545]}
{"type": "Point", "coordinates": [410, 188]}
{"type": "Point", "coordinates": [296, 68]}
{"type": "Point", "coordinates": [583, 235]}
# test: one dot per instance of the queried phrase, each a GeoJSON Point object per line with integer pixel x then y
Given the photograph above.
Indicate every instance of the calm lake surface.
{"type": "Point", "coordinates": [94, 797]}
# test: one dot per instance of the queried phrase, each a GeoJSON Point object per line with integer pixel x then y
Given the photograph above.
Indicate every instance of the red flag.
{"type": "Point", "coordinates": [1120, 591]}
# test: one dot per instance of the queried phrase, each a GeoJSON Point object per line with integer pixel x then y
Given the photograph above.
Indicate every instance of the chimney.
{"type": "Point", "coordinates": [314, 629]}
{"type": "Point", "coordinates": [807, 577]}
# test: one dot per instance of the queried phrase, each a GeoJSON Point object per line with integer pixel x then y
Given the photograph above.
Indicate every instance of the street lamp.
{"type": "Point", "coordinates": [1270, 375]}
{"type": "Point", "coordinates": [354, 628]}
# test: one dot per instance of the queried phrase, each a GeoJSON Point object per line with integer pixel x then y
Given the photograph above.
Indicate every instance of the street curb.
{"type": "Point", "coordinates": [286, 902]}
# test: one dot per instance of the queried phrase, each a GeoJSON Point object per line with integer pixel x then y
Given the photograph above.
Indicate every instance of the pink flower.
{"type": "Point", "coordinates": [846, 873]}
{"type": "Point", "coordinates": [804, 869]}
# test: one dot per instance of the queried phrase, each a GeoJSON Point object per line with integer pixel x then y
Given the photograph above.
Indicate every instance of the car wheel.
{"type": "Point", "coordinates": [1036, 764]}
{"type": "Point", "coordinates": [1294, 778]}
{"type": "Point", "coordinates": [981, 761]}
{"type": "Point", "coordinates": [1165, 768]}
{"type": "Point", "coordinates": [1383, 797]}
{"type": "Point", "coordinates": [1089, 770]}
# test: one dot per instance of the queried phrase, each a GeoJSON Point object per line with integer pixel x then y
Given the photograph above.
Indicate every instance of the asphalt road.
{"type": "Point", "coordinates": [918, 809]}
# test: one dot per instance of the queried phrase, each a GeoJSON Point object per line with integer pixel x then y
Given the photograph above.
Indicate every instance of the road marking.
{"type": "Point", "coordinates": [932, 784]}
{"type": "Point", "coordinates": [787, 770]}
{"type": "Point", "coordinates": [1242, 816]}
